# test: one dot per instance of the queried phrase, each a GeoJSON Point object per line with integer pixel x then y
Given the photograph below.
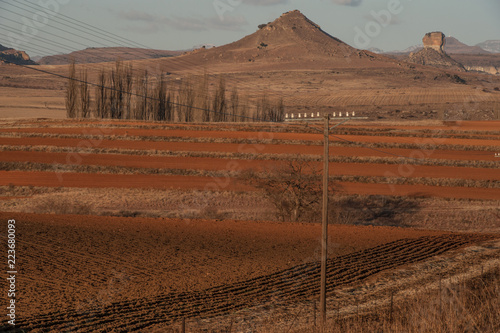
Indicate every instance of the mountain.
{"type": "Point", "coordinates": [106, 54]}
{"type": "Point", "coordinates": [492, 46]}
{"type": "Point", "coordinates": [8, 55]}
{"type": "Point", "coordinates": [453, 46]}
{"type": "Point", "coordinates": [291, 41]}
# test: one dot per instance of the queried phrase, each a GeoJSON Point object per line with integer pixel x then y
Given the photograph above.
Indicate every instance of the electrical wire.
{"type": "Point", "coordinates": [185, 64]}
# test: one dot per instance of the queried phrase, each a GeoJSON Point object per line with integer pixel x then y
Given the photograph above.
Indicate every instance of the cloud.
{"type": "Point", "coordinates": [352, 3]}
{"type": "Point", "coordinates": [151, 23]}
{"type": "Point", "coordinates": [265, 2]}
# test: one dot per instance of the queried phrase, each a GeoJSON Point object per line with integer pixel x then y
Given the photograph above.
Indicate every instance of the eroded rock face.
{"type": "Point", "coordinates": [8, 55]}
{"type": "Point", "coordinates": [434, 40]}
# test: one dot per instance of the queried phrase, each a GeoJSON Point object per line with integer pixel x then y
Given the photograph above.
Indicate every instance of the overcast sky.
{"type": "Point", "coordinates": [182, 24]}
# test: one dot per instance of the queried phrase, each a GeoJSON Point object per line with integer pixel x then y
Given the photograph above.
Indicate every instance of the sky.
{"type": "Point", "coordinates": [182, 24]}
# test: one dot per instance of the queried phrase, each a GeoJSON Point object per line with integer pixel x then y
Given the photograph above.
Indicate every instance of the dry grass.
{"type": "Point", "coordinates": [61, 205]}
{"type": "Point", "coordinates": [425, 213]}
{"type": "Point", "coordinates": [467, 306]}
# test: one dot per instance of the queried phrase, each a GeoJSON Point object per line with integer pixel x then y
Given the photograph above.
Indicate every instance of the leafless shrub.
{"type": "Point", "coordinates": [294, 188]}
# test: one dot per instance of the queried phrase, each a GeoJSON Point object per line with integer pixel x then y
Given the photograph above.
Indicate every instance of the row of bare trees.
{"type": "Point", "coordinates": [122, 94]}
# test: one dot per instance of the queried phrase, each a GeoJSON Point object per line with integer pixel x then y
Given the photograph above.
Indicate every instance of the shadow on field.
{"type": "Point", "coordinates": [373, 210]}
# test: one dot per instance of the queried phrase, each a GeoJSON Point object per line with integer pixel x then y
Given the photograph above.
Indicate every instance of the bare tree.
{"type": "Point", "coordinates": [244, 109]}
{"type": "Point", "coordinates": [142, 91]}
{"type": "Point", "coordinates": [72, 92]}
{"type": "Point", "coordinates": [186, 101]}
{"type": "Point", "coordinates": [219, 106]}
{"type": "Point", "coordinates": [101, 96]}
{"type": "Point", "coordinates": [202, 99]}
{"type": "Point", "coordinates": [160, 102]}
{"type": "Point", "coordinates": [116, 95]}
{"type": "Point", "coordinates": [128, 88]}
{"type": "Point", "coordinates": [234, 105]}
{"type": "Point", "coordinates": [84, 96]}
{"type": "Point", "coordinates": [294, 188]}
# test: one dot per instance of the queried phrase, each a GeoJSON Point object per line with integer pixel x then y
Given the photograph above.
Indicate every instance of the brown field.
{"type": "Point", "coordinates": [136, 274]}
{"type": "Point", "coordinates": [211, 255]}
{"type": "Point", "coordinates": [243, 148]}
{"type": "Point", "coordinates": [46, 169]}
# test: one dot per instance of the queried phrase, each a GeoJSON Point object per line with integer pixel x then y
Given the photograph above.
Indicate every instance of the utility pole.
{"type": "Point", "coordinates": [324, 235]}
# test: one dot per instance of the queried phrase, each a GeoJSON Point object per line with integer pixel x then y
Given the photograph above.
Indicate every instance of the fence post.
{"type": "Point", "coordinates": [392, 307]}
{"type": "Point", "coordinates": [314, 312]}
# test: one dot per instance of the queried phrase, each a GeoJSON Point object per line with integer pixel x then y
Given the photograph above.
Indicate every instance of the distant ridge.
{"type": "Point", "coordinates": [106, 54]}
{"type": "Point", "coordinates": [454, 46]}
{"type": "Point", "coordinates": [492, 46]}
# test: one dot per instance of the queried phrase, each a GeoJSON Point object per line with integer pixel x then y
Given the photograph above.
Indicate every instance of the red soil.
{"type": "Point", "coordinates": [82, 180]}
{"type": "Point", "coordinates": [84, 253]}
{"type": "Point", "coordinates": [249, 148]}
{"type": "Point", "coordinates": [113, 273]}
{"type": "Point", "coordinates": [247, 135]}
{"type": "Point", "coordinates": [211, 164]}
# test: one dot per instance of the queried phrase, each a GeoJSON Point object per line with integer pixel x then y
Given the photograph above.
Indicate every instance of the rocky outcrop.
{"type": "Point", "coordinates": [434, 41]}
{"type": "Point", "coordinates": [13, 56]}
{"type": "Point", "coordinates": [433, 53]}
{"type": "Point", "coordinates": [431, 57]}
{"type": "Point", "coordinates": [484, 69]}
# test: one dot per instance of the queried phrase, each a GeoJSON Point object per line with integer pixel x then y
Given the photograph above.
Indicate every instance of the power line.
{"type": "Point", "coordinates": [89, 26]}
{"type": "Point", "coordinates": [184, 63]}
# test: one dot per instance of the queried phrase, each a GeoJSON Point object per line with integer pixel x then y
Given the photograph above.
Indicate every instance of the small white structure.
{"type": "Point", "coordinates": [318, 115]}
{"type": "Point", "coordinates": [292, 116]}
{"type": "Point", "coordinates": [340, 114]}
{"type": "Point", "coordinates": [335, 114]}
{"type": "Point", "coordinates": [286, 115]}
{"type": "Point", "coordinates": [312, 115]}
{"type": "Point", "coordinates": [300, 115]}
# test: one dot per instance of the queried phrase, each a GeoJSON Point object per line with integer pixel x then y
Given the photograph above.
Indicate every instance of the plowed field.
{"type": "Point", "coordinates": [106, 146]}
{"type": "Point", "coordinates": [90, 273]}
{"type": "Point", "coordinates": [97, 274]}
